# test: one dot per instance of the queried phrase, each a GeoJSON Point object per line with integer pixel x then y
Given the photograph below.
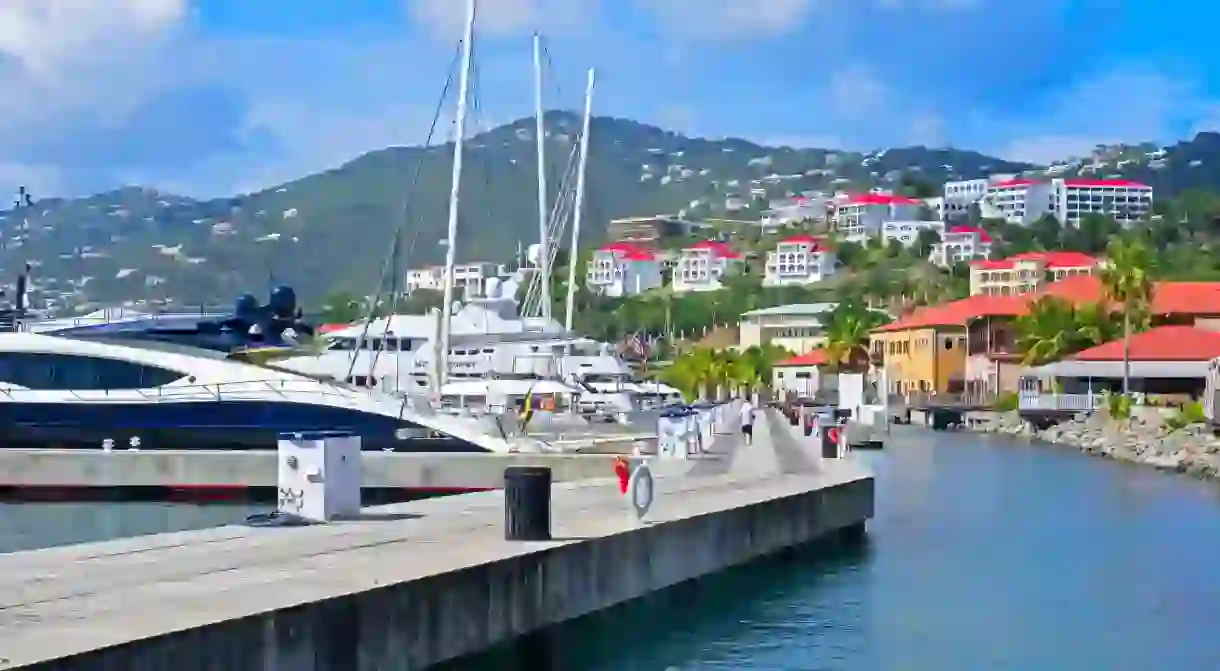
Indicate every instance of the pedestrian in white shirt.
{"type": "Point", "coordinates": [747, 422]}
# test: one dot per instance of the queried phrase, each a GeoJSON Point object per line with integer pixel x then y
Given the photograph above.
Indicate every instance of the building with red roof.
{"type": "Point", "coordinates": [961, 244]}
{"type": "Point", "coordinates": [802, 374]}
{"type": "Point", "coordinates": [990, 361]}
{"type": "Point", "coordinates": [1029, 272]}
{"type": "Point", "coordinates": [1169, 359]}
{"type": "Point", "coordinates": [623, 269]}
{"type": "Point", "coordinates": [861, 215]}
{"type": "Point", "coordinates": [703, 265]}
{"type": "Point", "coordinates": [1024, 200]}
{"type": "Point", "coordinates": [799, 260]}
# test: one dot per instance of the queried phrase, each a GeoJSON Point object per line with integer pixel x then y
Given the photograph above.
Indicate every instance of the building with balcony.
{"type": "Point", "coordinates": [798, 261]}
{"type": "Point", "coordinates": [796, 328]}
{"type": "Point", "coordinates": [961, 244]}
{"type": "Point", "coordinates": [905, 233]}
{"type": "Point", "coordinates": [924, 352]}
{"type": "Point", "coordinates": [1023, 201]}
{"type": "Point", "coordinates": [959, 196]}
{"type": "Point", "coordinates": [864, 214]}
{"type": "Point", "coordinates": [623, 269]}
{"type": "Point", "coordinates": [1028, 273]}
{"type": "Point", "coordinates": [994, 360]}
{"type": "Point", "coordinates": [469, 279]}
{"type": "Point", "coordinates": [703, 266]}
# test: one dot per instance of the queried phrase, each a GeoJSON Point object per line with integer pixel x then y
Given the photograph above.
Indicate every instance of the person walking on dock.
{"type": "Point", "coordinates": [747, 422]}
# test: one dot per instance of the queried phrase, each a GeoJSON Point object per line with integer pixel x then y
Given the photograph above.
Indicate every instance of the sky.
{"type": "Point", "coordinates": [215, 97]}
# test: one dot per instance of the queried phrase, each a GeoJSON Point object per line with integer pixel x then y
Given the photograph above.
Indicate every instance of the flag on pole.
{"type": "Point", "coordinates": [527, 411]}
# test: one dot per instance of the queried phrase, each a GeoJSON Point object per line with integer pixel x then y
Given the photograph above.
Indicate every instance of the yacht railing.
{"type": "Point", "coordinates": [222, 391]}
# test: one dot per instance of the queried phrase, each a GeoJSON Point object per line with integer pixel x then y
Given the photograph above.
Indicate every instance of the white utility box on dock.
{"type": "Point", "coordinates": [678, 432]}
{"type": "Point", "coordinates": [319, 475]}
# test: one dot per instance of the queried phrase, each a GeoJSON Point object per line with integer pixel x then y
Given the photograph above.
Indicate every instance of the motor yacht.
{"type": "Point", "coordinates": [58, 392]}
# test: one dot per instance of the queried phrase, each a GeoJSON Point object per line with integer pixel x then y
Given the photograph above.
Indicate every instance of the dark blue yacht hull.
{"type": "Point", "coordinates": [221, 425]}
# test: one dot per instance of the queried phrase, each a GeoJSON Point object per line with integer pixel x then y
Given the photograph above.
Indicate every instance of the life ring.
{"type": "Point", "coordinates": [642, 490]}
{"type": "Point", "coordinates": [833, 434]}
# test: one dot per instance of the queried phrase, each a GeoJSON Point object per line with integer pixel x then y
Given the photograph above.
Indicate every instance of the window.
{"type": "Point", "coordinates": [66, 371]}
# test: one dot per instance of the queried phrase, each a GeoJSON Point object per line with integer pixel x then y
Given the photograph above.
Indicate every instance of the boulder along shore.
{"type": "Point", "coordinates": [1144, 438]}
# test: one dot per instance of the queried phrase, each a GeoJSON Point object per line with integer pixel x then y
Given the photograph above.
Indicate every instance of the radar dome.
{"type": "Point", "coordinates": [534, 254]}
{"type": "Point", "coordinates": [492, 287]}
{"type": "Point", "coordinates": [246, 306]}
{"type": "Point", "coordinates": [283, 302]}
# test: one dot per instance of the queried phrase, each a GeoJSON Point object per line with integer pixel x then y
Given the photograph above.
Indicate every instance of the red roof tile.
{"type": "Point", "coordinates": [818, 244]}
{"type": "Point", "coordinates": [1185, 299]}
{"type": "Point", "coordinates": [879, 199]}
{"type": "Point", "coordinates": [983, 234]}
{"type": "Point", "coordinates": [817, 357]}
{"type": "Point", "coordinates": [1164, 343]}
{"type": "Point", "coordinates": [718, 249]}
{"type": "Point", "coordinates": [1078, 181]}
{"type": "Point", "coordinates": [1051, 259]}
{"type": "Point", "coordinates": [629, 252]}
{"type": "Point", "coordinates": [1020, 181]}
{"type": "Point", "coordinates": [1190, 299]}
{"type": "Point", "coordinates": [958, 313]}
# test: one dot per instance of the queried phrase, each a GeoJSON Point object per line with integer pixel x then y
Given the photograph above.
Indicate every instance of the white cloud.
{"type": "Point", "coordinates": [447, 18]}
{"type": "Point", "coordinates": [760, 19]}
{"type": "Point", "coordinates": [1123, 105]}
{"type": "Point", "coordinates": [726, 19]}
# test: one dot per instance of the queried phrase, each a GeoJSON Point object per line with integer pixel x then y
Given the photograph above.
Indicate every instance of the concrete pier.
{"type": "Point", "coordinates": [411, 585]}
{"type": "Point", "coordinates": [206, 469]}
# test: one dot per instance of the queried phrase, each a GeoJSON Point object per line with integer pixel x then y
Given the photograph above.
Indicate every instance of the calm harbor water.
{"type": "Point", "coordinates": [985, 555]}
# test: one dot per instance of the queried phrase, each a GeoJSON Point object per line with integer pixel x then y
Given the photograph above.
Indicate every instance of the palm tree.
{"type": "Point", "coordinates": [848, 327]}
{"type": "Point", "coordinates": [1048, 332]}
{"type": "Point", "coordinates": [1126, 282]}
{"type": "Point", "coordinates": [1095, 324]}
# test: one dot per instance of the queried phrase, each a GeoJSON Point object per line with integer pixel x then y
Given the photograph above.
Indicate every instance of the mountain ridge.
{"type": "Point", "coordinates": [332, 230]}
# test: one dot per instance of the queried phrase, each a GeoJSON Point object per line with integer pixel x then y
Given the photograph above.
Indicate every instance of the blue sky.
{"type": "Point", "coordinates": [208, 97]}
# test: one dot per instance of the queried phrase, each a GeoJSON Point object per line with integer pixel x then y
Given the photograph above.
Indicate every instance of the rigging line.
{"type": "Point", "coordinates": [555, 225]}
{"type": "Point", "coordinates": [405, 209]}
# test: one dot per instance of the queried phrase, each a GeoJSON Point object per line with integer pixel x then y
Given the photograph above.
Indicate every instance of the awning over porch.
{"type": "Point", "coordinates": [1114, 369]}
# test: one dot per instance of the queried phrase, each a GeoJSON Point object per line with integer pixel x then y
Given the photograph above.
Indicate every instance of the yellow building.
{"type": "Point", "coordinates": [925, 352]}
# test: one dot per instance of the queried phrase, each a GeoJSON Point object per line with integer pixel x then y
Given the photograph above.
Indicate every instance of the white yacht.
{"type": "Point", "coordinates": [67, 393]}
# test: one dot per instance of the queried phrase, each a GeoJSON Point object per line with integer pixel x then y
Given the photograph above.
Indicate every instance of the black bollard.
{"type": "Point", "coordinates": [830, 446]}
{"type": "Point", "coordinates": [527, 503]}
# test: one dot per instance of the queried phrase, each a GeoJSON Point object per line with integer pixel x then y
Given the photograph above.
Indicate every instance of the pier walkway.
{"type": "Point", "coordinates": [410, 585]}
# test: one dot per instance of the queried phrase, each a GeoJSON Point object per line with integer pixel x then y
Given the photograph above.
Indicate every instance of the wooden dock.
{"type": "Point", "coordinates": [411, 585]}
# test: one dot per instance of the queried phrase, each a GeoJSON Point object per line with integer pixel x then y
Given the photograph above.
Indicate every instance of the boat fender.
{"type": "Point", "coordinates": [623, 471]}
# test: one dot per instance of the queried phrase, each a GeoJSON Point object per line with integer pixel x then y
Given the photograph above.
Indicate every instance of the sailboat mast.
{"type": "Point", "coordinates": [580, 202]}
{"type": "Point", "coordinates": [459, 131]}
{"type": "Point", "coordinates": [544, 238]}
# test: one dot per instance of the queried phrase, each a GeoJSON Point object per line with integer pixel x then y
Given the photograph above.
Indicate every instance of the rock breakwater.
{"type": "Point", "coordinates": [1143, 439]}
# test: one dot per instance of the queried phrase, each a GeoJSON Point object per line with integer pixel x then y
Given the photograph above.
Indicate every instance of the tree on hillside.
{"type": "Point", "coordinates": [924, 242]}
{"type": "Point", "coordinates": [1127, 283]}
